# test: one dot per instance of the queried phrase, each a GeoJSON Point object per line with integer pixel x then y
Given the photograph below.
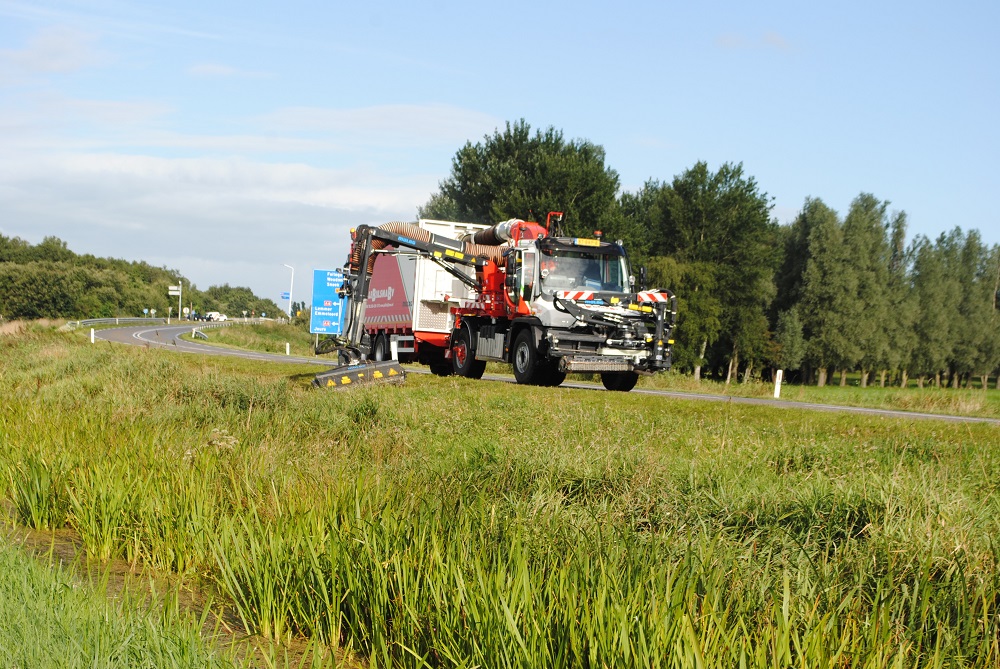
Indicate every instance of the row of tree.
{"type": "Point", "coordinates": [48, 280]}
{"type": "Point", "coordinates": [825, 295]}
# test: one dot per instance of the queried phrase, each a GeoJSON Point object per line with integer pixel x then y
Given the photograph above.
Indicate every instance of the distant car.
{"type": "Point", "coordinates": [215, 316]}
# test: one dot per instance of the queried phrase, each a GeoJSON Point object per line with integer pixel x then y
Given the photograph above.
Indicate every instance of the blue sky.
{"type": "Point", "coordinates": [226, 139]}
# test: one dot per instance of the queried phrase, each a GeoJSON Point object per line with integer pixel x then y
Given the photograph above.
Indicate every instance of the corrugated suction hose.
{"type": "Point", "coordinates": [413, 231]}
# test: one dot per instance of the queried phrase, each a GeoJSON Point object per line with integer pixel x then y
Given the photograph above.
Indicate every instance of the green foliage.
{"type": "Point", "coordinates": [718, 226]}
{"type": "Point", "coordinates": [829, 285]}
{"type": "Point", "coordinates": [48, 280]}
{"type": "Point", "coordinates": [790, 344]}
{"type": "Point", "coordinates": [234, 300]}
{"type": "Point", "coordinates": [516, 174]}
{"type": "Point", "coordinates": [37, 486]}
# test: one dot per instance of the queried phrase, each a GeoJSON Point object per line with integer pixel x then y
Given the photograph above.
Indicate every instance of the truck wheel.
{"type": "Point", "coordinates": [549, 375]}
{"type": "Point", "coordinates": [620, 381]}
{"type": "Point", "coordinates": [380, 349]}
{"type": "Point", "coordinates": [463, 361]}
{"type": "Point", "coordinates": [439, 366]}
{"type": "Point", "coordinates": [525, 358]}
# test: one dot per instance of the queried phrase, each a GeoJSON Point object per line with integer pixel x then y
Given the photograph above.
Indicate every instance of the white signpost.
{"type": "Point", "coordinates": [176, 290]}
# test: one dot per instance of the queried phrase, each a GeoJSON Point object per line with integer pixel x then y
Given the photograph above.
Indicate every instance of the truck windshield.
{"type": "Point", "coordinates": [573, 270]}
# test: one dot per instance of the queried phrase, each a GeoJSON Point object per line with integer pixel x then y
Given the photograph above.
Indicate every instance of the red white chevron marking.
{"type": "Point", "coordinates": [575, 294]}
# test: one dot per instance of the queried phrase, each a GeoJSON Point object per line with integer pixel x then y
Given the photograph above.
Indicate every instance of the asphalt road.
{"type": "Point", "coordinates": [169, 337]}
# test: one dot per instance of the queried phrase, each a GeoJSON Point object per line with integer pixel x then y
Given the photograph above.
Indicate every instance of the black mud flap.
{"type": "Point", "coordinates": [363, 373]}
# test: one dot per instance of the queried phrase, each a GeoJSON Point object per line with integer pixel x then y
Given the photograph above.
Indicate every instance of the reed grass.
{"type": "Point", "coordinates": [48, 618]}
{"type": "Point", "coordinates": [449, 522]}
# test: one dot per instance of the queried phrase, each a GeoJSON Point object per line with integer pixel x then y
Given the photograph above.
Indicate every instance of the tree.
{"type": "Point", "coordinates": [902, 317]}
{"type": "Point", "coordinates": [698, 305]}
{"type": "Point", "coordinates": [718, 224]}
{"type": "Point", "coordinates": [829, 285]}
{"type": "Point", "coordinates": [515, 173]}
{"type": "Point", "coordinates": [789, 342]}
{"type": "Point", "coordinates": [974, 275]}
{"type": "Point", "coordinates": [866, 237]}
{"type": "Point", "coordinates": [795, 244]}
{"type": "Point", "coordinates": [933, 292]}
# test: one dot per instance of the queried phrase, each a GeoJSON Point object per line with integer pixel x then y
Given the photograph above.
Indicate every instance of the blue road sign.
{"type": "Point", "coordinates": [327, 306]}
{"type": "Point", "coordinates": [285, 295]}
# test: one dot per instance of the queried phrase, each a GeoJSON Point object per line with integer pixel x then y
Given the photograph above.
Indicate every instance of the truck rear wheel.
{"type": "Point", "coordinates": [525, 358]}
{"type": "Point", "coordinates": [463, 359]}
{"type": "Point", "coordinates": [620, 381]}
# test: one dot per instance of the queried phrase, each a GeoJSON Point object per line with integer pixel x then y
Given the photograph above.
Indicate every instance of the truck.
{"type": "Point", "coordinates": [410, 297]}
{"type": "Point", "coordinates": [516, 292]}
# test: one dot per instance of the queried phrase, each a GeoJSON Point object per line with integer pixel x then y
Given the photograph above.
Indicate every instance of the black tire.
{"type": "Point", "coordinates": [549, 375]}
{"type": "Point", "coordinates": [463, 359]}
{"type": "Point", "coordinates": [524, 358]}
{"type": "Point", "coordinates": [619, 381]}
{"type": "Point", "coordinates": [439, 366]}
{"type": "Point", "coordinates": [380, 349]}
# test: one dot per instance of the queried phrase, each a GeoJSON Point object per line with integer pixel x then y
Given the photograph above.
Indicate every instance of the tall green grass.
{"type": "Point", "coordinates": [457, 523]}
{"type": "Point", "coordinates": [48, 619]}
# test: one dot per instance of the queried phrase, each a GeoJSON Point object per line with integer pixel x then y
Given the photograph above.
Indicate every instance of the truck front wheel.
{"type": "Point", "coordinates": [463, 359]}
{"type": "Point", "coordinates": [380, 349]}
{"type": "Point", "coordinates": [620, 381]}
{"type": "Point", "coordinates": [549, 375]}
{"type": "Point", "coordinates": [525, 358]}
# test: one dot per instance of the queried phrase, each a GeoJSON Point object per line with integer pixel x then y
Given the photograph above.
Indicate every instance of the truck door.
{"type": "Point", "coordinates": [512, 280]}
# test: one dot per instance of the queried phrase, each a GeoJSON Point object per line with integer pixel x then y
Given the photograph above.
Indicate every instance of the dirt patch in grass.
{"type": "Point", "coordinates": [12, 328]}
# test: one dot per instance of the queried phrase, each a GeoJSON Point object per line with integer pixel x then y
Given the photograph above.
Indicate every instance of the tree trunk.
{"type": "Point", "coordinates": [881, 381]}
{"type": "Point", "coordinates": [984, 381]}
{"type": "Point", "coordinates": [821, 380]}
{"type": "Point", "coordinates": [734, 363]}
{"type": "Point", "coordinates": [920, 382]}
{"type": "Point", "coordinates": [956, 380]}
{"type": "Point", "coordinates": [747, 371]}
{"type": "Point", "coordinates": [843, 378]}
{"type": "Point", "coordinates": [903, 378]}
{"type": "Point", "coordinates": [937, 379]}
{"type": "Point", "coordinates": [864, 378]}
{"type": "Point", "coordinates": [701, 356]}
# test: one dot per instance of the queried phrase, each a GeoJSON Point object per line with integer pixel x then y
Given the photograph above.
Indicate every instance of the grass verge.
{"type": "Point", "coordinates": [449, 522]}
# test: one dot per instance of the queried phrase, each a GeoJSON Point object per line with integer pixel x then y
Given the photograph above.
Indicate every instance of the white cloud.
{"type": "Point", "coordinates": [413, 125]}
{"type": "Point", "coordinates": [55, 49]}
{"type": "Point", "coordinates": [216, 220]}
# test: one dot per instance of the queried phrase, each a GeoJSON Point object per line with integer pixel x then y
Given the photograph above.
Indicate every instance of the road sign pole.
{"type": "Point", "coordinates": [290, 288]}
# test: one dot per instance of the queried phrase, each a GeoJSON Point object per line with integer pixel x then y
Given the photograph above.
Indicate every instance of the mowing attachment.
{"type": "Point", "coordinates": [362, 373]}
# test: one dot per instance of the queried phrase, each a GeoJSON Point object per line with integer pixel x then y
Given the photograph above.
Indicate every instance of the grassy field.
{"type": "Point", "coordinates": [458, 523]}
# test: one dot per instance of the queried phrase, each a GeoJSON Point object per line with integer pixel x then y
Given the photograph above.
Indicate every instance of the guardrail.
{"type": "Point", "coordinates": [88, 322]}
{"type": "Point", "coordinates": [115, 321]}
